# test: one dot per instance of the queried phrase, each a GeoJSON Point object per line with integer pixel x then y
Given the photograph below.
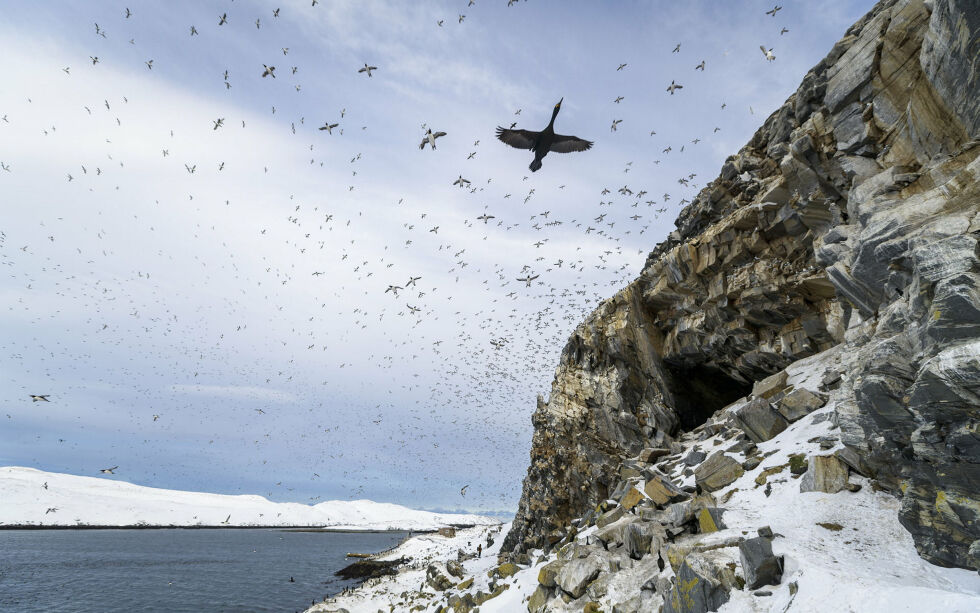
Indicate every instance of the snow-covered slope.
{"type": "Point", "coordinates": [27, 495]}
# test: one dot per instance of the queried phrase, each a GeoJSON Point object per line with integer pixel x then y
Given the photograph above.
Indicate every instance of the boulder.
{"type": "Point", "coordinates": [799, 403]}
{"type": "Point", "coordinates": [759, 565]}
{"type": "Point", "coordinates": [770, 386]}
{"type": "Point", "coordinates": [630, 498]}
{"type": "Point", "coordinates": [695, 457]}
{"type": "Point", "coordinates": [662, 491]}
{"type": "Point", "coordinates": [548, 573]}
{"type": "Point", "coordinates": [650, 454]}
{"type": "Point", "coordinates": [609, 517]}
{"type": "Point", "coordinates": [539, 599]}
{"type": "Point", "coordinates": [825, 473]}
{"type": "Point", "coordinates": [717, 471]}
{"type": "Point", "coordinates": [709, 520]}
{"type": "Point", "coordinates": [577, 574]}
{"type": "Point", "coordinates": [697, 588]}
{"type": "Point", "coordinates": [759, 421]}
{"type": "Point", "coordinates": [436, 579]}
{"type": "Point", "coordinates": [641, 538]}
{"type": "Point", "coordinates": [454, 568]}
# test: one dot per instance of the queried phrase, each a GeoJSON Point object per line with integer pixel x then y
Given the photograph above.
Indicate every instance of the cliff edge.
{"type": "Point", "coordinates": [850, 220]}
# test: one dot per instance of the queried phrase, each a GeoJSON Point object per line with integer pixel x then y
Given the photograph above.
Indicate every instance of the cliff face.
{"type": "Point", "coordinates": [851, 217]}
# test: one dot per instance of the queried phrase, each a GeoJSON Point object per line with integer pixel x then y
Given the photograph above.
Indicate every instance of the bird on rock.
{"type": "Point", "coordinates": [544, 141]}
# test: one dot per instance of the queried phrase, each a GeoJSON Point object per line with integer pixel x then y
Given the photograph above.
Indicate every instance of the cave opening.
{"type": "Point", "coordinates": [700, 391]}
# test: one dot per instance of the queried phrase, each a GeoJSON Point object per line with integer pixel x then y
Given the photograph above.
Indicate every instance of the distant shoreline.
{"type": "Point", "coordinates": [284, 528]}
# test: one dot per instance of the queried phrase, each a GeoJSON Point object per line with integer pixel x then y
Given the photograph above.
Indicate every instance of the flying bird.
{"type": "Point", "coordinates": [430, 138]}
{"type": "Point", "coordinates": [269, 71]}
{"type": "Point", "coordinates": [775, 9]}
{"type": "Point", "coordinates": [544, 141]}
{"type": "Point", "coordinates": [768, 53]}
{"type": "Point", "coordinates": [108, 471]}
{"type": "Point", "coordinates": [673, 86]}
{"type": "Point", "coordinates": [368, 69]}
{"type": "Point", "coordinates": [39, 397]}
{"type": "Point", "coordinates": [328, 127]}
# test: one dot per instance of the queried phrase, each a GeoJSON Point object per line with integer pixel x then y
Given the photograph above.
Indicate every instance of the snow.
{"type": "Point", "coordinates": [869, 565]}
{"type": "Point", "coordinates": [402, 591]}
{"type": "Point", "coordinates": [91, 501]}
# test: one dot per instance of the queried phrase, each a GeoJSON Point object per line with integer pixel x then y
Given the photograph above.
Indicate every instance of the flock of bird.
{"type": "Point", "coordinates": [474, 333]}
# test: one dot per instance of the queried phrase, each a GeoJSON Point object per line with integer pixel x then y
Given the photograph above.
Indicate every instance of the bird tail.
{"type": "Point", "coordinates": [535, 165]}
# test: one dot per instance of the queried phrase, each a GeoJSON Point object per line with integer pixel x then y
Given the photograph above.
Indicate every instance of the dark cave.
{"type": "Point", "coordinates": [700, 391]}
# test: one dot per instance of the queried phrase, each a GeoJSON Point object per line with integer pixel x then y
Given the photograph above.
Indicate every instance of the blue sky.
{"type": "Point", "coordinates": [244, 303]}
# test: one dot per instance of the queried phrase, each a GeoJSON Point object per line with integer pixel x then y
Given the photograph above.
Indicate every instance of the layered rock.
{"type": "Point", "coordinates": [850, 217]}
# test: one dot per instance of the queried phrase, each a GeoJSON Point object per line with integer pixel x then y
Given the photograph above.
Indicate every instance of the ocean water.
{"type": "Point", "coordinates": [175, 571]}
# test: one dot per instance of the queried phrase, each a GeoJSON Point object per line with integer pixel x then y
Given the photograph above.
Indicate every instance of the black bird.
{"type": "Point", "coordinates": [544, 141]}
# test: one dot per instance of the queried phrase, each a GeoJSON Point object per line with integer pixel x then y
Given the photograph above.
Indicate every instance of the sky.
{"type": "Point", "coordinates": [205, 304]}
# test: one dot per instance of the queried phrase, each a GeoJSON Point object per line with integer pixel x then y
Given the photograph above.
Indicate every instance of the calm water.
{"type": "Point", "coordinates": [191, 571]}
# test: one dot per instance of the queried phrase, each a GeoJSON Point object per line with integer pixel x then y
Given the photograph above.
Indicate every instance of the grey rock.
{"type": "Point", "coordinates": [454, 568]}
{"type": "Point", "coordinates": [610, 516]}
{"type": "Point", "coordinates": [825, 473]}
{"type": "Point", "coordinates": [697, 588]}
{"type": "Point", "coordinates": [770, 385]}
{"type": "Point", "coordinates": [695, 457]}
{"type": "Point", "coordinates": [577, 574]}
{"type": "Point", "coordinates": [759, 565]}
{"type": "Point", "coordinates": [759, 421]}
{"type": "Point", "coordinates": [799, 403]}
{"type": "Point", "coordinates": [539, 599]}
{"type": "Point", "coordinates": [717, 471]}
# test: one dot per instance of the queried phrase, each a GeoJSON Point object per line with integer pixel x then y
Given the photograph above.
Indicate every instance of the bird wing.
{"type": "Point", "coordinates": [520, 139]}
{"type": "Point", "coordinates": [567, 144]}
{"type": "Point", "coordinates": [763, 50]}
{"type": "Point", "coordinates": [438, 134]}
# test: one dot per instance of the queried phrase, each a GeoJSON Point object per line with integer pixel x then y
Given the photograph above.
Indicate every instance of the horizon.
{"type": "Point", "coordinates": [205, 305]}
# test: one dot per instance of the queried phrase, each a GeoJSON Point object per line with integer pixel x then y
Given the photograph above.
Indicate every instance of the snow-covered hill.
{"type": "Point", "coordinates": [33, 497]}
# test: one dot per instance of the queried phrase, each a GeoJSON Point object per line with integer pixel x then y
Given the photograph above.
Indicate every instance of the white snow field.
{"type": "Point", "coordinates": [91, 501]}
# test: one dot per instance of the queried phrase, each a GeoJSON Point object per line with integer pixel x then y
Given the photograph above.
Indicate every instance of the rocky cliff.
{"type": "Point", "coordinates": [850, 219]}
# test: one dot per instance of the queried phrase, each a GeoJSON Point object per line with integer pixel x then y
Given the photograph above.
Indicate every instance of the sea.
{"type": "Point", "coordinates": [176, 570]}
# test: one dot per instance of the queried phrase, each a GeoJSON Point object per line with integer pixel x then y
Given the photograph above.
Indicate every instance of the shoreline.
{"type": "Point", "coordinates": [220, 527]}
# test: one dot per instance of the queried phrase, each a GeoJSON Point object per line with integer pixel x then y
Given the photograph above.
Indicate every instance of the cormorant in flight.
{"type": "Point", "coordinates": [544, 141]}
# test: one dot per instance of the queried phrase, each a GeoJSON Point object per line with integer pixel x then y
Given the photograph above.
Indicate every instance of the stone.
{"type": "Point", "coordinates": [465, 585]}
{"type": "Point", "coordinates": [798, 463]}
{"type": "Point", "coordinates": [435, 578]}
{"type": "Point", "coordinates": [649, 454]}
{"type": "Point", "coordinates": [454, 568]}
{"type": "Point", "coordinates": [770, 385]}
{"type": "Point", "coordinates": [641, 538]}
{"type": "Point", "coordinates": [799, 403]}
{"type": "Point", "coordinates": [506, 570]}
{"type": "Point", "coordinates": [718, 471]}
{"type": "Point", "coordinates": [610, 516]}
{"type": "Point", "coordinates": [662, 491]}
{"type": "Point", "coordinates": [548, 573]}
{"type": "Point", "coordinates": [631, 498]}
{"type": "Point", "coordinates": [696, 588]}
{"type": "Point", "coordinates": [575, 576]}
{"type": "Point", "coordinates": [613, 534]}
{"type": "Point", "coordinates": [695, 457]}
{"type": "Point", "coordinates": [825, 474]}
{"type": "Point", "coordinates": [709, 520]}
{"type": "Point", "coordinates": [765, 532]}
{"type": "Point", "coordinates": [759, 421]}
{"type": "Point", "coordinates": [539, 599]}
{"type": "Point", "coordinates": [759, 565]}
